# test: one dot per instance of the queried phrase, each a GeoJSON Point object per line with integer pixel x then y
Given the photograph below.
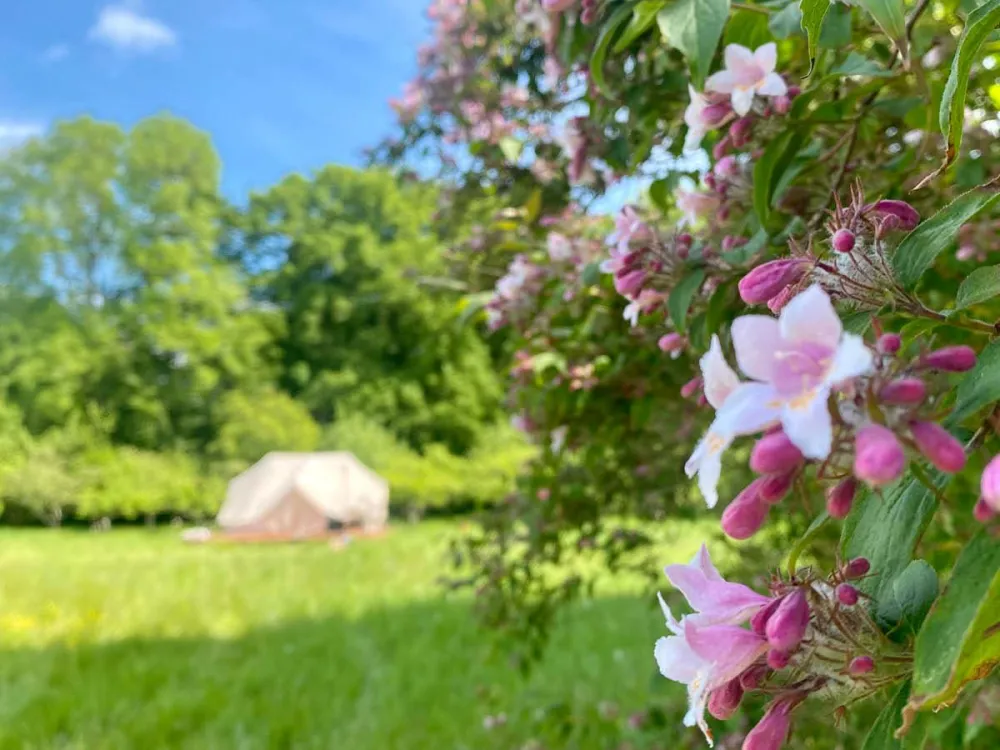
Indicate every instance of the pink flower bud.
{"type": "Point", "coordinates": [691, 387]}
{"type": "Point", "coordinates": [683, 251]}
{"type": "Point", "coordinates": [629, 283]}
{"type": "Point", "coordinates": [753, 677]}
{"type": "Point", "coordinates": [861, 665]}
{"type": "Point", "coordinates": [857, 568]}
{"type": "Point", "coordinates": [768, 279]}
{"type": "Point", "coordinates": [758, 623]}
{"type": "Point", "coordinates": [671, 342]}
{"type": "Point", "coordinates": [739, 131]}
{"type": "Point", "coordinates": [727, 167]}
{"type": "Point", "coordinates": [772, 731]}
{"type": "Point", "coordinates": [721, 147]}
{"type": "Point", "coordinates": [724, 701]}
{"type": "Point", "coordinates": [950, 359]}
{"type": "Point", "coordinates": [938, 446]}
{"type": "Point", "coordinates": [710, 182]}
{"type": "Point", "coordinates": [889, 343]}
{"type": "Point", "coordinates": [777, 303]}
{"type": "Point", "coordinates": [878, 456]}
{"type": "Point", "coordinates": [684, 240]}
{"type": "Point", "coordinates": [787, 626]}
{"type": "Point", "coordinates": [544, 494]}
{"type": "Point", "coordinates": [713, 115]}
{"type": "Point", "coordinates": [775, 486]}
{"type": "Point", "coordinates": [782, 104]}
{"type": "Point", "coordinates": [731, 242]}
{"type": "Point", "coordinates": [777, 659]}
{"type": "Point", "coordinates": [983, 512]}
{"type": "Point", "coordinates": [905, 215]}
{"type": "Point", "coordinates": [904, 391]}
{"type": "Point", "coordinates": [794, 91]}
{"type": "Point", "coordinates": [847, 594]}
{"type": "Point", "coordinates": [989, 484]}
{"type": "Point", "coordinates": [843, 240]}
{"type": "Point", "coordinates": [745, 515]}
{"type": "Point", "coordinates": [840, 497]}
{"type": "Point", "coordinates": [774, 454]}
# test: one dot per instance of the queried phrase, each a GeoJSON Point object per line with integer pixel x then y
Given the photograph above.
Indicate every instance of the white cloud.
{"type": "Point", "coordinates": [126, 28]}
{"type": "Point", "coordinates": [55, 53]}
{"type": "Point", "coordinates": [13, 132]}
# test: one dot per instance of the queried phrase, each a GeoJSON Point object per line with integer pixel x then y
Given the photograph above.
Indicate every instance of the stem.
{"type": "Point", "coordinates": [752, 8]}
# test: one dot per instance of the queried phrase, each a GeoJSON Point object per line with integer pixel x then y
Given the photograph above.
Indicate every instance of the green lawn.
{"type": "Point", "coordinates": [134, 639]}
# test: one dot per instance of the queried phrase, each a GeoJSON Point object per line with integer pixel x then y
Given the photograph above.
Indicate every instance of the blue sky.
{"type": "Point", "coordinates": [281, 85]}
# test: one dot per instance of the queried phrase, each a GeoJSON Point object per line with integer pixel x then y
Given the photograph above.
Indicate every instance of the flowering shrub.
{"type": "Point", "coordinates": [784, 199]}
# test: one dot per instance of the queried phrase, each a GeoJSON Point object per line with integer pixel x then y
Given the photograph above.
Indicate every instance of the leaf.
{"type": "Point", "coordinates": [715, 313]}
{"type": "Point", "coordinates": [858, 322]}
{"type": "Point", "coordinates": [890, 15]}
{"type": "Point", "coordinates": [681, 296]}
{"type": "Point", "coordinates": [859, 65]}
{"type": "Point", "coordinates": [905, 603]}
{"type": "Point", "coordinates": [591, 273]}
{"type": "Point", "coordinates": [885, 529]}
{"type": "Point", "coordinates": [745, 252]}
{"type": "Point", "coordinates": [813, 13]}
{"type": "Point", "coordinates": [471, 304]}
{"type": "Point", "coordinates": [786, 21]}
{"type": "Point", "coordinates": [960, 641]}
{"type": "Point", "coordinates": [978, 26]}
{"type": "Point", "coordinates": [533, 208]}
{"type": "Point", "coordinates": [694, 27]}
{"type": "Point", "coordinates": [979, 286]}
{"type": "Point", "coordinates": [793, 555]}
{"type": "Point", "coordinates": [604, 40]}
{"type": "Point", "coordinates": [659, 192]}
{"type": "Point", "coordinates": [643, 18]}
{"type": "Point", "coordinates": [769, 168]}
{"type": "Point", "coordinates": [835, 32]}
{"type": "Point", "coordinates": [511, 148]}
{"type": "Point", "coordinates": [748, 28]}
{"type": "Point", "coordinates": [979, 387]}
{"type": "Point", "coordinates": [545, 360]}
{"type": "Point", "coordinates": [881, 735]}
{"type": "Point", "coordinates": [918, 250]}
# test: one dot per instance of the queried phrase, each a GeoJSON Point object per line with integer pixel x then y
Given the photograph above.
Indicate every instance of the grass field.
{"type": "Point", "coordinates": [133, 639]}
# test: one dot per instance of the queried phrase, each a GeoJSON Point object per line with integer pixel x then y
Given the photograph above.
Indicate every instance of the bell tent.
{"type": "Point", "coordinates": [300, 495]}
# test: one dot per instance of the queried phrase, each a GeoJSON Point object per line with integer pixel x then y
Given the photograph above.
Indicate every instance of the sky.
{"type": "Point", "coordinates": [280, 85]}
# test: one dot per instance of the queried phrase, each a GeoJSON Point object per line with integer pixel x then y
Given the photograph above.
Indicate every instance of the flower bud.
{"type": "Point", "coordinates": [878, 456]}
{"type": "Point", "coordinates": [753, 677]}
{"type": "Point", "coordinates": [778, 659]}
{"type": "Point", "coordinates": [905, 215]}
{"type": "Point", "coordinates": [684, 240]}
{"type": "Point", "coordinates": [950, 359]}
{"type": "Point", "coordinates": [857, 568]}
{"type": "Point", "coordinates": [745, 515]}
{"type": "Point", "coordinates": [721, 147]}
{"type": "Point", "coordinates": [629, 283]}
{"type": "Point", "coordinates": [861, 665]}
{"type": "Point", "coordinates": [691, 387]}
{"type": "Point", "coordinates": [775, 486]}
{"type": "Point", "coordinates": [767, 280]}
{"type": "Point", "coordinates": [713, 115]}
{"type": "Point", "coordinates": [843, 240]}
{"type": "Point", "coordinates": [758, 623]}
{"type": "Point", "coordinates": [787, 626]}
{"type": "Point", "coordinates": [782, 298]}
{"type": "Point", "coordinates": [989, 484]}
{"type": "Point", "coordinates": [739, 131]}
{"type": "Point", "coordinates": [983, 511]}
{"type": "Point", "coordinates": [904, 391]}
{"type": "Point", "coordinates": [731, 242]}
{"type": "Point", "coordinates": [727, 167]}
{"type": "Point", "coordinates": [772, 731]}
{"type": "Point", "coordinates": [671, 342]}
{"type": "Point", "coordinates": [782, 104]}
{"type": "Point", "coordinates": [774, 454]}
{"type": "Point", "coordinates": [724, 701]}
{"type": "Point", "coordinates": [840, 497]}
{"type": "Point", "coordinates": [847, 594]}
{"type": "Point", "coordinates": [711, 183]}
{"type": "Point", "coordinates": [938, 446]}
{"type": "Point", "coordinates": [889, 343]}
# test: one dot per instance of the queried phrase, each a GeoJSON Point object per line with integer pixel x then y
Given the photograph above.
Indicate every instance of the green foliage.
{"type": "Point", "coordinates": [980, 286]}
{"type": "Point", "coordinates": [251, 424]}
{"type": "Point", "coordinates": [813, 13]}
{"type": "Point", "coordinates": [694, 28]}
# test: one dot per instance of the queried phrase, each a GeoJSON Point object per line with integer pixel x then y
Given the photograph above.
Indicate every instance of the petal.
{"type": "Point", "coordinates": [737, 56]}
{"type": "Point", "coordinates": [729, 648]}
{"type": "Point", "coordinates": [693, 138]}
{"type": "Point", "coordinates": [853, 358]}
{"type": "Point", "coordinates": [773, 85]}
{"type": "Point", "coordinates": [756, 339]}
{"type": "Point", "coordinates": [676, 660]}
{"type": "Point", "coordinates": [721, 82]}
{"type": "Point", "coordinates": [810, 317]}
{"type": "Point", "coordinates": [807, 423]}
{"type": "Point", "coordinates": [703, 561]}
{"type": "Point", "coordinates": [710, 468]}
{"type": "Point", "coordinates": [719, 601]}
{"type": "Point", "coordinates": [766, 56]}
{"type": "Point", "coordinates": [719, 378]}
{"type": "Point", "coordinates": [749, 409]}
{"type": "Point", "coordinates": [694, 462]}
{"type": "Point", "coordinates": [675, 627]}
{"type": "Point", "coordinates": [742, 100]}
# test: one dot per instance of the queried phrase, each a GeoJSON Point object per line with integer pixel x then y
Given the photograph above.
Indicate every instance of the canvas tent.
{"type": "Point", "coordinates": [303, 494]}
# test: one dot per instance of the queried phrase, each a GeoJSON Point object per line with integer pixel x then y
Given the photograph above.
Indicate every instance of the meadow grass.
{"type": "Point", "coordinates": [132, 639]}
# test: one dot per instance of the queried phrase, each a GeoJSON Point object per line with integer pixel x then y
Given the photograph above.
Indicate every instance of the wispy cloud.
{"type": "Point", "coordinates": [55, 53]}
{"type": "Point", "coordinates": [13, 132]}
{"type": "Point", "coordinates": [125, 28]}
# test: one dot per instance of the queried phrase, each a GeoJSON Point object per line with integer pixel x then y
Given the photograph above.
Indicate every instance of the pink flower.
{"type": "Point", "coordinates": [769, 279]}
{"type": "Point", "coordinates": [671, 343]}
{"type": "Point", "coordinates": [774, 454]}
{"type": "Point", "coordinates": [628, 226]}
{"type": "Point", "coordinates": [560, 248]}
{"type": "Point", "coordinates": [646, 301]}
{"type": "Point", "coordinates": [878, 457]}
{"type": "Point", "coordinates": [707, 650]}
{"type": "Point", "coordinates": [747, 512]}
{"type": "Point", "coordinates": [772, 731]}
{"type": "Point", "coordinates": [938, 446]}
{"type": "Point", "coordinates": [555, 6]}
{"type": "Point", "coordinates": [989, 484]}
{"type": "Point", "coordinates": [695, 205]}
{"type": "Point", "coordinates": [746, 74]}
{"type": "Point", "coordinates": [787, 627]}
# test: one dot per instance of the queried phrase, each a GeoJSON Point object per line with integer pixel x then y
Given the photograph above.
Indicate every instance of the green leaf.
{"type": "Point", "coordinates": [836, 30]}
{"type": "Point", "coordinates": [885, 529]}
{"type": "Point", "coordinates": [659, 193]}
{"type": "Point", "coordinates": [858, 322]}
{"type": "Point", "coordinates": [881, 735]}
{"type": "Point", "coordinates": [591, 273]}
{"type": "Point", "coordinates": [979, 387]}
{"type": "Point", "coordinates": [979, 286]}
{"type": "Point", "coordinates": [978, 26]}
{"type": "Point", "coordinates": [694, 27]}
{"type": "Point", "coordinates": [533, 207]}
{"type": "Point", "coordinates": [793, 555]}
{"type": "Point", "coordinates": [511, 148]}
{"type": "Point", "coordinates": [918, 250]}
{"type": "Point", "coordinates": [960, 641]}
{"type": "Point", "coordinates": [748, 28]}
{"type": "Point", "coordinates": [859, 65]}
{"type": "Point", "coordinates": [770, 167]}
{"type": "Point", "coordinates": [681, 296]}
{"type": "Point", "coordinates": [718, 305]}
{"type": "Point", "coordinates": [891, 16]}
{"type": "Point", "coordinates": [905, 603]}
{"type": "Point", "coordinates": [813, 13]}
{"type": "Point", "coordinates": [786, 21]}
{"type": "Point", "coordinates": [643, 18]}
{"type": "Point", "coordinates": [546, 360]}
{"type": "Point", "coordinates": [604, 39]}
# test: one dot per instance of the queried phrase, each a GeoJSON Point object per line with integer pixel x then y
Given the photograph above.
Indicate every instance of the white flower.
{"type": "Point", "coordinates": [693, 119]}
{"type": "Point", "coordinates": [746, 74]}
